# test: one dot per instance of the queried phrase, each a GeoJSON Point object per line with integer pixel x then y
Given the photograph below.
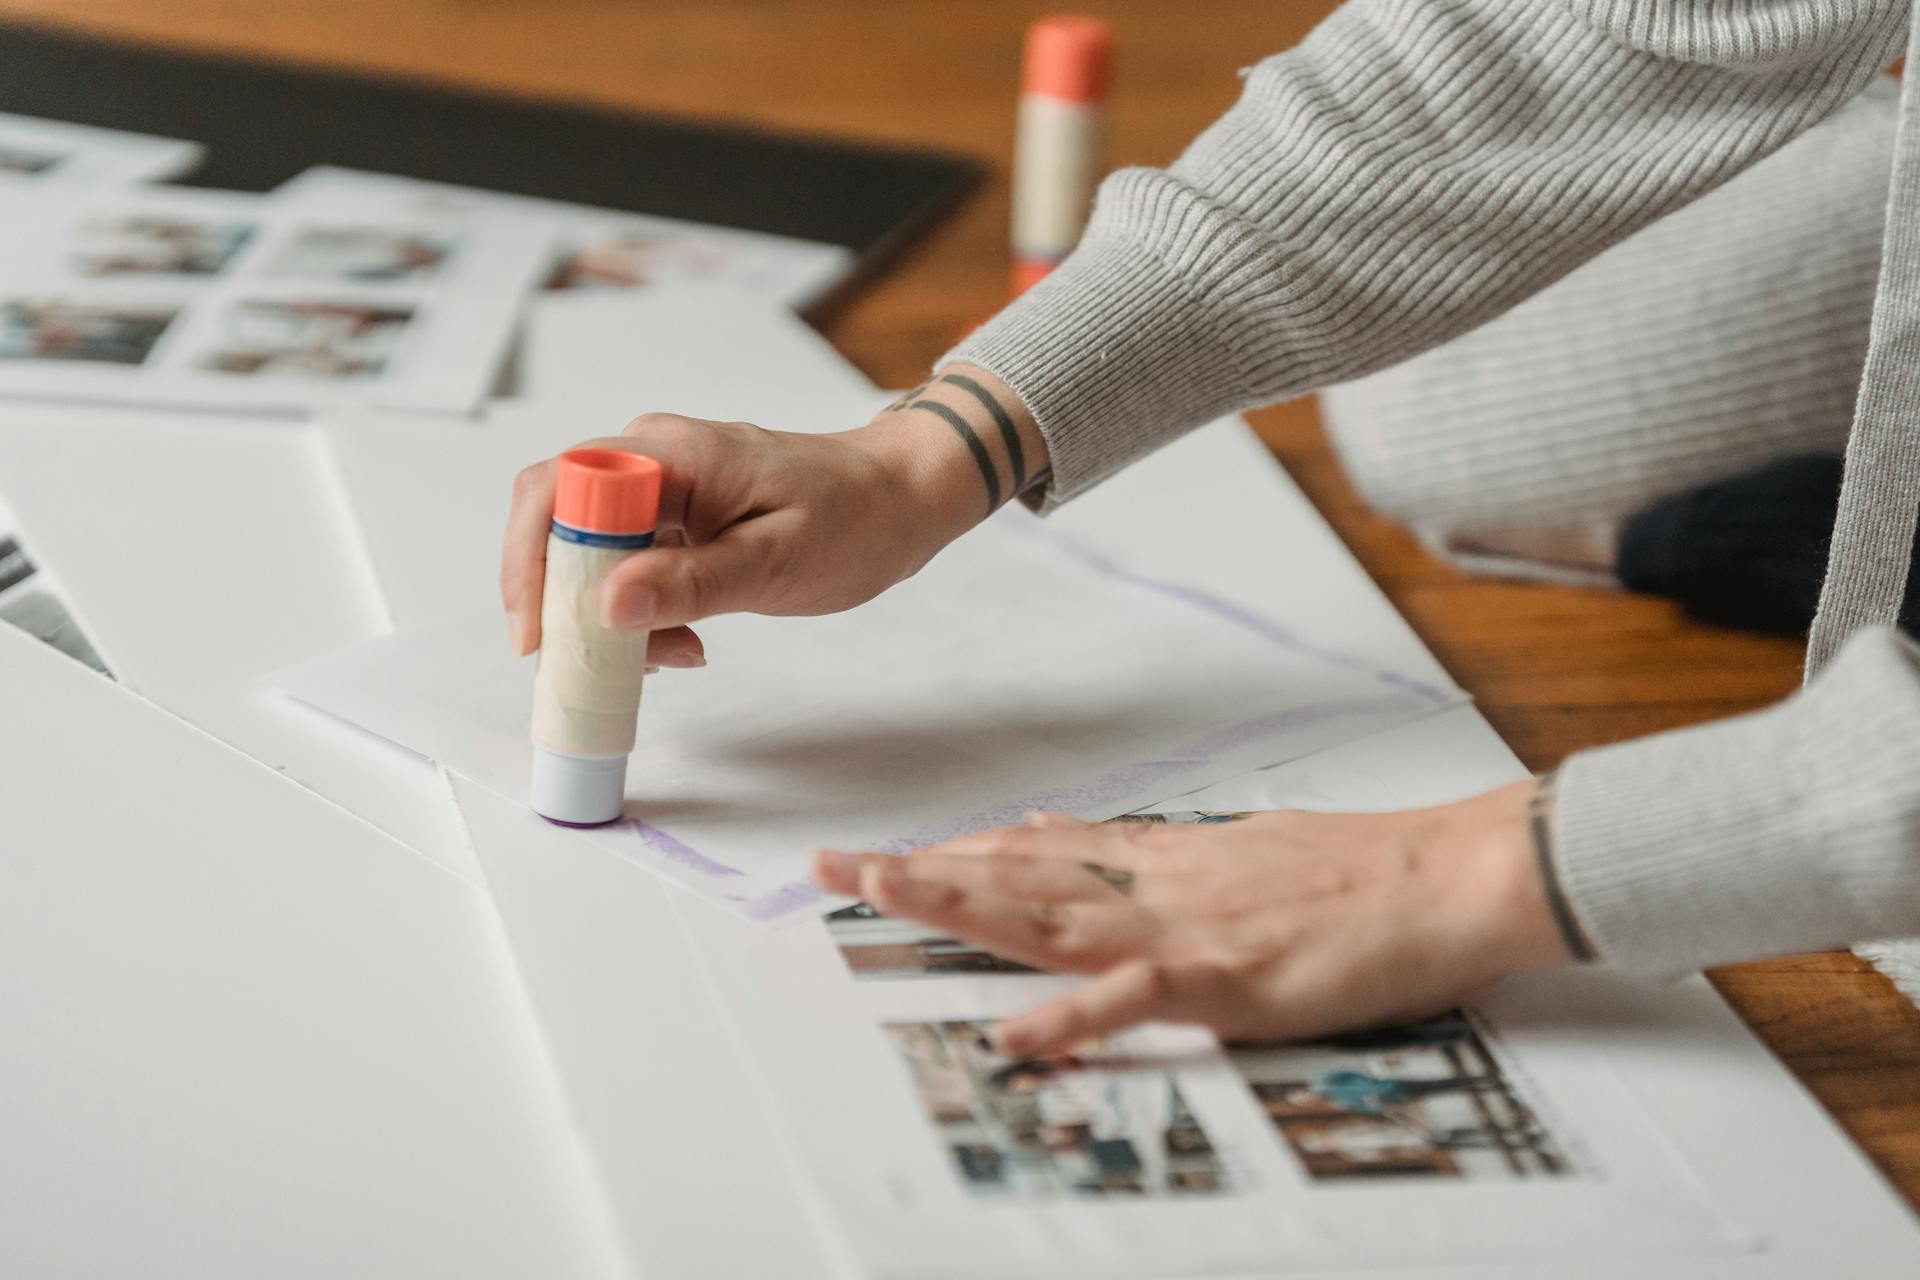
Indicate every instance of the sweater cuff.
{"type": "Point", "coordinates": [1114, 355]}
{"type": "Point", "coordinates": [1791, 829]}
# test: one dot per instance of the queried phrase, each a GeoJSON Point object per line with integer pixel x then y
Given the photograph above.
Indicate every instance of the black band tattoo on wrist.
{"type": "Point", "coordinates": [907, 397]}
{"type": "Point", "coordinates": [1540, 826]}
{"type": "Point", "coordinates": [1009, 434]}
{"type": "Point", "coordinates": [978, 450]}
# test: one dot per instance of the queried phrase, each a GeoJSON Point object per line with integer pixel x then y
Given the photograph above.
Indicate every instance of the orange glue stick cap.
{"type": "Point", "coordinates": [1068, 56]}
{"type": "Point", "coordinates": [1028, 272]}
{"type": "Point", "coordinates": [607, 491]}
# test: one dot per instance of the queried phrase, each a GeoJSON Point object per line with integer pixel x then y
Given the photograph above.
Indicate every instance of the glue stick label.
{"type": "Point", "coordinates": [1056, 166]}
{"type": "Point", "coordinates": [586, 689]}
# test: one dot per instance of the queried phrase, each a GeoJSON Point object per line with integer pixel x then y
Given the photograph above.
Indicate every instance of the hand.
{"type": "Point", "coordinates": [770, 522]}
{"type": "Point", "coordinates": [1279, 926]}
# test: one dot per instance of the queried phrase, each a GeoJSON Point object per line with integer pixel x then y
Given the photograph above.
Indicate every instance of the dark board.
{"type": "Point", "coordinates": [263, 122]}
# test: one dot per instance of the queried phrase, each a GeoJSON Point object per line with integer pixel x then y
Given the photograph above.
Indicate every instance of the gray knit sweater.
{"type": "Point", "coordinates": [1415, 169]}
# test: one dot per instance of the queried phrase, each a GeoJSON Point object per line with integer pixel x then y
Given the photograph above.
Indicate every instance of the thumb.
{"type": "Point", "coordinates": [672, 586]}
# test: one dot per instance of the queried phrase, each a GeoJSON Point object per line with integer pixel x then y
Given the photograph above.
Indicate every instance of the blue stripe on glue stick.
{"type": "Point", "coordinates": [606, 541]}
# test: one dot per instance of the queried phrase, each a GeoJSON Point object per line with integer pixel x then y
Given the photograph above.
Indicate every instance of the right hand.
{"type": "Point", "coordinates": [756, 521]}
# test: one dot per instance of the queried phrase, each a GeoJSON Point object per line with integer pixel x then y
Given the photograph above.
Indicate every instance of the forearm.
{"type": "Point", "coordinates": [1793, 829]}
{"type": "Point", "coordinates": [1405, 174]}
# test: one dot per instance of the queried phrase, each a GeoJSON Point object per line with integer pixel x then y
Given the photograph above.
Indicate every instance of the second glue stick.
{"type": "Point", "coordinates": [1057, 155]}
{"type": "Point", "coordinates": [586, 690]}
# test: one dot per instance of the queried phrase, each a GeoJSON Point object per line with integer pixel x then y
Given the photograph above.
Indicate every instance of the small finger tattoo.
{"type": "Point", "coordinates": [1120, 880]}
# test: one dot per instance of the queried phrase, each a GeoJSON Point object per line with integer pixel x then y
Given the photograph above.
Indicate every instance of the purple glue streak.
{"type": "Point", "coordinates": [1301, 717]}
{"type": "Point", "coordinates": [788, 898]}
{"type": "Point", "coordinates": [1220, 607]}
{"type": "Point", "coordinates": [678, 852]}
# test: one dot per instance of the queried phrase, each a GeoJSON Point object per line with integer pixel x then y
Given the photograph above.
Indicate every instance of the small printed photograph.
{"type": "Point", "coordinates": [877, 946]}
{"type": "Point", "coordinates": [23, 162]}
{"type": "Point", "coordinates": [157, 245]}
{"type": "Point", "coordinates": [338, 341]}
{"type": "Point", "coordinates": [1082, 1127]}
{"type": "Point", "coordinates": [63, 329]}
{"type": "Point", "coordinates": [630, 260]}
{"type": "Point", "coordinates": [365, 254]}
{"type": "Point", "coordinates": [1427, 1100]}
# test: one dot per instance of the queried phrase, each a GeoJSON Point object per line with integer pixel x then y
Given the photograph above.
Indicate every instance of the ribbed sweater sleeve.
{"type": "Point", "coordinates": [1411, 170]}
{"type": "Point", "coordinates": [1795, 828]}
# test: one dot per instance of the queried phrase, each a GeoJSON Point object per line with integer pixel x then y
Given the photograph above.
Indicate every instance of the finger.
{"type": "Point", "coordinates": [672, 586]}
{"type": "Point", "coordinates": [1068, 936]}
{"type": "Point", "coordinates": [523, 558]}
{"type": "Point", "coordinates": [835, 871]}
{"type": "Point", "coordinates": [1033, 880]}
{"type": "Point", "coordinates": [676, 647]}
{"type": "Point", "coordinates": [1138, 991]}
{"type": "Point", "coordinates": [1011, 875]}
{"type": "Point", "coordinates": [1109, 845]}
{"type": "Point", "coordinates": [683, 446]}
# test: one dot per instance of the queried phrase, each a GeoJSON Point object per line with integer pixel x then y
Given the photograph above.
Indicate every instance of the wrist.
{"type": "Point", "coordinates": [1517, 910]}
{"type": "Point", "coordinates": [961, 443]}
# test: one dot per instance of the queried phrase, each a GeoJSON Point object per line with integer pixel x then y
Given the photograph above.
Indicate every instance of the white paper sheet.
{"type": "Point", "coordinates": [35, 151]}
{"type": "Point", "coordinates": [1156, 1157]}
{"type": "Point", "coordinates": [608, 249]}
{"type": "Point", "coordinates": [597, 352]}
{"type": "Point", "coordinates": [215, 299]}
{"type": "Point", "coordinates": [248, 1035]}
{"type": "Point", "coordinates": [1022, 669]}
{"type": "Point", "coordinates": [616, 957]}
{"type": "Point", "coordinates": [650, 1071]}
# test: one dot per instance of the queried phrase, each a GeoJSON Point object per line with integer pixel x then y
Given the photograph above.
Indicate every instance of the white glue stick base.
{"type": "Point", "coordinates": [580, 791]}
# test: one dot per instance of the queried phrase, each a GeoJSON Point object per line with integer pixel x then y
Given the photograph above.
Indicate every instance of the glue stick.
{"type": "Point", "coordinates": [586, 689]}
{"type": "Point", "coordinates": [1057, 154]}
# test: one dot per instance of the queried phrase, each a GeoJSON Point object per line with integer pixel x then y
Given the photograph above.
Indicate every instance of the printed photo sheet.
{"type": "Point", "coordinates": [1019, 671]}
{"type": "Point", "coordinates": [32, 601]}
{"type": "Point", "coordinates": [35, 151]}
{"type": "Point", "coordinates": [606, 250]}
{"type": "Point", "coordinates": [1494, 1134]}
{"type": "Point", "coordinates": [221, 300]}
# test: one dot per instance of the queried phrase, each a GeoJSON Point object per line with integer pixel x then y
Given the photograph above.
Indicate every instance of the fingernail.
{"type": "Point", "coordinates": [516, 635]}
{"type": "Point", "coordinates": [684, 661]}
{"type": "Point", "coordinates": [632, 608]}
{"type": "Point", "coordinates": [649, 671]}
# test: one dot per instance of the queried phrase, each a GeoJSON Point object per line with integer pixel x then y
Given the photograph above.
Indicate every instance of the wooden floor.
{"type": "Point", "coordinates": [1554, 669]}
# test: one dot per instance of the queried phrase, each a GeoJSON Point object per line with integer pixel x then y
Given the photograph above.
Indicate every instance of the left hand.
{"type": "Point", "coordinates": [1283, 925]}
